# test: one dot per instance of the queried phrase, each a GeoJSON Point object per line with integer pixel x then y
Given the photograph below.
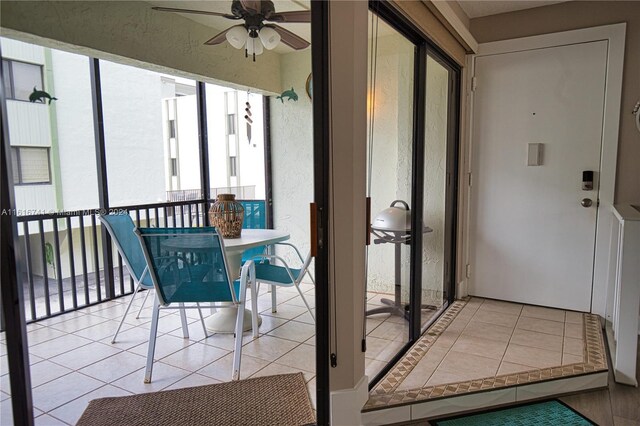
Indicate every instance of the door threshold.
{"type": "Point", "coordinates": [446, 370]}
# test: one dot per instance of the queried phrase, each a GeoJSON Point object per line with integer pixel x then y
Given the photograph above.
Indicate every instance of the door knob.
{"type": "Point", "coordinates": [586, 202]}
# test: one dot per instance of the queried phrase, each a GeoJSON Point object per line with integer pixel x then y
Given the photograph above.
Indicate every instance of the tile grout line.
{"type": "Point", "coordinates": [513, 331]}
{"type": "Point", "coordinates": [454, 342]}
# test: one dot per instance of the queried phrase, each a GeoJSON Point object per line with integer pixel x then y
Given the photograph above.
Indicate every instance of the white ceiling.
{"type": "Point", "coordinates": [473, 9]}
{"type": "Point", "coordinates": [478, 8]}
{"type": "Point", "coordinates": [218, 23]}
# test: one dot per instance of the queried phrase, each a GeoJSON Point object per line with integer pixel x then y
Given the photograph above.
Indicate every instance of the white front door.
{"type": "Point", "coordinates": [531, 239]}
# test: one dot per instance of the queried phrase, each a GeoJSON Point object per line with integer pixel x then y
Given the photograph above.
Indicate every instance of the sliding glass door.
{"type": "Point", "coordinates": [411, 185]}
{"type": "Point", "coordinates": [389, 172]}
{"type": "Point", "coordinates": [438, 203]}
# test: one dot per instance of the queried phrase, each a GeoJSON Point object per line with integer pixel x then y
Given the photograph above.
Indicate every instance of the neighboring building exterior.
{"type": "Point", "coordinates": [151, 134]}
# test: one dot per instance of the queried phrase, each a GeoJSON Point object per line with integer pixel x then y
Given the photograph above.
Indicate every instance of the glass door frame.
{"type": "Point", "coordinates": [423, 48]}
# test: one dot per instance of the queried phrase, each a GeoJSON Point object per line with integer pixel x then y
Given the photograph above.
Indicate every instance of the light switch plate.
{"type": "Point", "coordinates": [534, 154]}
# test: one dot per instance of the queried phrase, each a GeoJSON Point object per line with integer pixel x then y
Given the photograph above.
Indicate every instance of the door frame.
{"type": "Point", "coordinates": [615, 36]}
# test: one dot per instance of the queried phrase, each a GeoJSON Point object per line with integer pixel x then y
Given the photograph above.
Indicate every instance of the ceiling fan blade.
{"type": "Point", "coordinates": [199, 12]}
{"type": "Point", "coordinates": [220, 38]}
{"type": "Point", "coordinates": [290, 39]}
{"type": "Point", "coordinates": [302, 16]}
{"type": "Point", "coordinates": [251, 5]}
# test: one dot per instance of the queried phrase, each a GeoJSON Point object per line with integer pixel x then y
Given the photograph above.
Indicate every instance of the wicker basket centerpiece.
{"type": "Point", "coordinates": [227, 215]}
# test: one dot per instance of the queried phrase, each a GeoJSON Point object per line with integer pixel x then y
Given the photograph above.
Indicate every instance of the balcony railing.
{"type": "Point", "coordinates": [63, 264]}
{"type": "Point", "coordinates": [247, 192]}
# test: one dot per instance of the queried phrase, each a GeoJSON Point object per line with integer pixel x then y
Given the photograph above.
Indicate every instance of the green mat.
{"type": "Point", "coordinates": [551, 413]}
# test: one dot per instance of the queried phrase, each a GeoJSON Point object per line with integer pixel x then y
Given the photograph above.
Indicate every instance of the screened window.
{"type": "Point", "coordinates": [20, 78]}
{"type": "Point", "coordinates": [231, 124]}
{"type": "Point", "coordinates": [172, 128]}
{"type": "Point", "coordinates": [174, 167]}
{"type": "Point", "coordinates": [30, 165]}
{"type": "Point", "coordinates": [232, 166]}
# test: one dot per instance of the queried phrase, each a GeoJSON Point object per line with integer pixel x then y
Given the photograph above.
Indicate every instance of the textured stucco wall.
{"type": "Point", "coordinates": [131, 32]}
{"type": "Point", "coordinates": [391, 164]}
{"type": "Point", "coordinates": [390, 172]}
{"type": "Point", "coordinates": [292, 153]}
{"type": "Point", "coordinates": [435, 163]}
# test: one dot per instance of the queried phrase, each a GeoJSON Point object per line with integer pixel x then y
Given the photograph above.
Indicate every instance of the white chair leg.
{"type": "Point", "coordinates": [204, 326]}
{"type": "Point", "coordinates": [254, 309]}
{"type": "Point", "coordinates": [274, 299]}
{"type": "Point", "coordinates": [237, 352]}
{"type": "Point", "coordinates": [152, 340]}
{"type": "Point", "coordinates": [133, 296]}
{"type": "Point", "coordinates": [146, 296]}
{"type": "Point", "coordinates": [305, 302]}
{"type": "Point", "coordinates": [183, 320]}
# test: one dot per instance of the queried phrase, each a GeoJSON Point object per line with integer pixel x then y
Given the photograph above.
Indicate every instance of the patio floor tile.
{"type": "Point", "coordinates": [293, 330]}
{"type": "Point", "coordinates": [302, 357]}
{"type": "Point", "coordinates": [115, 367]}
{"type": "Point", "coordinates": [58, 346]}
{"type": "Point", "coordinates": [62, 390]}
{"type": "Point", "coordinates": [195, 356]}
{"type": "Point", "coordinates": [85, 355]}
{"type": "Point", "coordinates": [71, 412]}
{"type": "Point", "coordinates": [222, 368]}
{"type": "Point", "coordinates": [163, 376]}
{"type": "Point", "coordinates": [268, 348]}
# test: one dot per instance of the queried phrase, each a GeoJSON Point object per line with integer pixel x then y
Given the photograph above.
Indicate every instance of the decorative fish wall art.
{"type": "Point", "coordinates": [40, 96]}
{"type": "Point", "coordinates": [291, 95]}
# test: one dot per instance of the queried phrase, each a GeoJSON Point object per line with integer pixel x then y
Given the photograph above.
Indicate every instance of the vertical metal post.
{"type": "Point", "coordinates": [451, 203]}
{"type": "Point", "coordinates": [321, 121]}
{"type": "Point", "coordinates": [268, 176]}
{"type": "Point", "coordinates": [101, 167]}
{"type": "Point", "coordinates": [417, 190]}
{"type": "Point", "coordinates": [11, 297]}
{"type": "Point", "coordinates": [203, 140]}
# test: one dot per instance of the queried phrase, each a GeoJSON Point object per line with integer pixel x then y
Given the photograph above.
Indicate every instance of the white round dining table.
{"type": "Point", "coordinates": [224, 320]}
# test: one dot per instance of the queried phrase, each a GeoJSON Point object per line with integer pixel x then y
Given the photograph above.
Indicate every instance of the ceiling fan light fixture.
{"type": "Point", "coordinates": [254, 47]}
{"type": "Point", "coordinates": [269, 37]}
{"type": "Point", "coordinates": [237, 36]}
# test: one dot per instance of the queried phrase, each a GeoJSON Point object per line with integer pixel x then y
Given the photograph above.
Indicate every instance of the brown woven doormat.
{"type": "Point", "coordinates": [270, 400]}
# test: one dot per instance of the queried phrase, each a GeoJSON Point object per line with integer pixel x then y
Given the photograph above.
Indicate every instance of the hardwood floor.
{"type": "Point", "coordinates": [618, 405]}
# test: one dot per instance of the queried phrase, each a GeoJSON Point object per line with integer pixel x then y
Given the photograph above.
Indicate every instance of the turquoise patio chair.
{"type": "Point", "coordinates": [120, 228]}
{"type": "Point", "coordinates": [188, 265]}
{"type": "Point", "coordinates": [255, 217]}
{"type": "Point", "coordinates": [274, 270]}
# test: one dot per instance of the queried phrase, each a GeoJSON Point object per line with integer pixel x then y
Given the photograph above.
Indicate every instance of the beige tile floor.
{"type": "Point", "coordinates": [386, 334]}
{"type": "Point", "coordinates": [73, 360]}
{"type": "Point", "coordinates": [490, 338]}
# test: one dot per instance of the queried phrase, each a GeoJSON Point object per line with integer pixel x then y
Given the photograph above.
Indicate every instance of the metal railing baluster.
{"type": "Point", "coordinates": [72, 266]}
{"type": "Point", "coordinates": [58, 267]}
{"type": "Point", "coordinates": [96, 257]}
{"type": "Point", "coordinates": [85, 273]}
{"type": "Point", "coordinates": [45, 273]}
{"type": "Point", "coordinates": [27, 248]}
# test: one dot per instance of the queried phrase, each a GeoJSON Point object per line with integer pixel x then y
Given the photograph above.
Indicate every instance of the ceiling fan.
{"type": "Point", "coordinates": [257, 33]}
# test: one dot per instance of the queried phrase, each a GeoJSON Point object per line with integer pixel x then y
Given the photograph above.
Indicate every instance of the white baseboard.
{"type": "Point", "coordinates": [346, 404]}
{"type": "Point", "coordinates": [461, 289]}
